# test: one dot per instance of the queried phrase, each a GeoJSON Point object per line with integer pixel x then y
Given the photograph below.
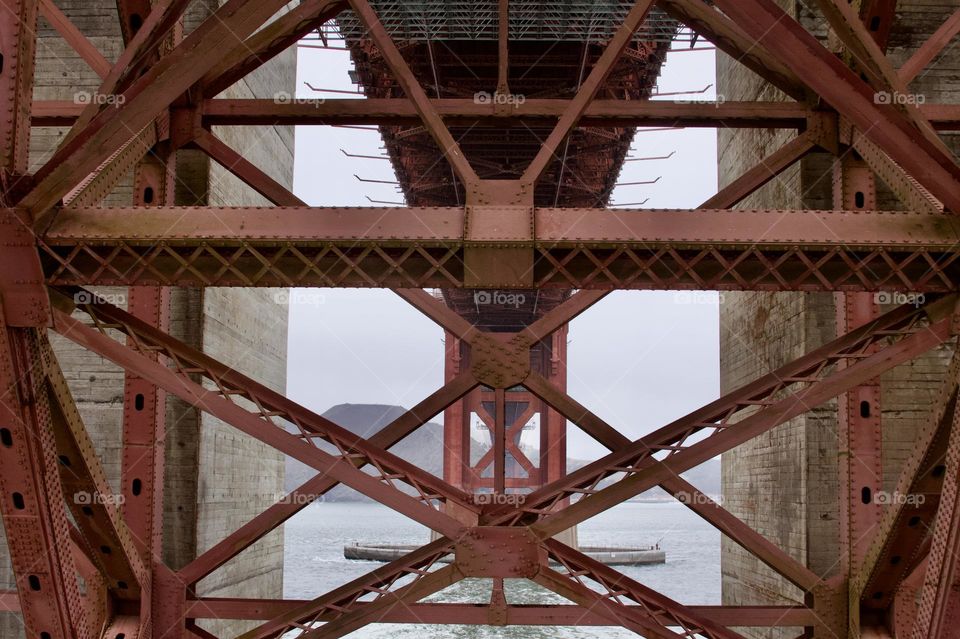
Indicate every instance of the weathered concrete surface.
{"type": "Point", "coordinates": [785, 484]}
{"type": "Point", "coordinates": [217, 478]}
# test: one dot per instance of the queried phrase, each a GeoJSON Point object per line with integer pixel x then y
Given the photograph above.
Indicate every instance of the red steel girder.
{"type": "Point", "coordinates": [146, 98]}
{"type": "Point", "coordinates": [269, 519]}
{"type": "Point", "coordinates": [144, 405]}
{"type": "Point", "coordinates": [249, 173]}
{"type": "Point", "coordinates": [309, 427]}
{"type": "Point", "coordinates": [340, 602]}
{"type": "Point", "coordinates": [95, 506]}
{"type": "Point", "coordinates": [34, 514]}
{"type": "Point", "coordinates": [516, 614]}
{"type": "Point", "coordinates": [939, 609]}
{"type": "Point", "coordinates": [77, 41]}
{"type": "Point", "coordinates": [18, 41]}
{"type": "Point", "coordinates": [587, 91]}
{"type": "Point", "coordinates": [897, 547]}
{"type": "Point", "coordinates": [534, 112]}
{"type": "Point", "coordinates": [763, 172]}
{"type": "Point", "coordinates": [780, 395]}
{"type": "Point", "coordinates": [858, 419]}
{"type": "Point", "coordinates": [730, 38]}
{"type": "Point", "coordinates": [930, 49]}
{"type": "Point", "coordinates": [575, 248]}
{"type": "Point", "coordinates": [594, 584]}
{"type": "Point", "coordinates": [268, 42]}
{"type": "Point", "coordinates": [846, 92]}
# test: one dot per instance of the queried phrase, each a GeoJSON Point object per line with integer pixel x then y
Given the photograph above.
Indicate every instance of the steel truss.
{"type": "Point", "coordinates": [56, 239]}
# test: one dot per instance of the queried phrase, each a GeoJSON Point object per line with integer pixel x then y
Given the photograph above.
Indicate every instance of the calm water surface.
{"type": "Point", "coordinates": [314, 562]}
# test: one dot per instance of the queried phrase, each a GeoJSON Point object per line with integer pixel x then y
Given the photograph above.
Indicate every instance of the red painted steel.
{"type": "Point", "coordinates": [33, 508]}
{"type": "Point", "coordinates": [860, 431]}
{"type": "Point", "coordinates": [516, 614]}
{"type": "Point", "coordinates": [504, 367]}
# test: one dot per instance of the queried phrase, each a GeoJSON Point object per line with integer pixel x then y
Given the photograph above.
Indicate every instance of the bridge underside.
{"type": "Point", "coordinates": [503, 194]}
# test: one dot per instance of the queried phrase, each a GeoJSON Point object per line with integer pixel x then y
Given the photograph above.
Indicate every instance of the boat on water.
{"type": "Point", "coordinates": [609, 555]}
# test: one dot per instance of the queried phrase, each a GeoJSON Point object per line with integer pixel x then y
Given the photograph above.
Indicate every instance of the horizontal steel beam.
{"type": "Point", "coordinates": [614, 113]}
{"type": "Point", "coordinates": [517, 615]}
{"type": "Point", "coordinates": [445, 226]}
{"type": "Point", "coordinates": [574, 248]}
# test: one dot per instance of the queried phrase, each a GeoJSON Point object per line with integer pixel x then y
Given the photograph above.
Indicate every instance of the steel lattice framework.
{"type": "Point", "coordinates": [900, 581]}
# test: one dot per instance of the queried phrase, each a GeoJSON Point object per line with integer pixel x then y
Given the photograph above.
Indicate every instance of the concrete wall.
{"type": "Point", "coordinates": [217, 478]}
{"type": "Point", "coordinates": [785, 483]}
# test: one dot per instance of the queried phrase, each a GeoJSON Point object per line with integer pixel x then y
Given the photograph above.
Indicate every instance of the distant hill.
{"type": "Point", "coordinates": [424, 448]}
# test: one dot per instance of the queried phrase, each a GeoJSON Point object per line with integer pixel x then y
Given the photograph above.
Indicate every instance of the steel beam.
{"type": "Point", "coordinates": [684, 458]}
{"type": "Point", "coordinates": [729, 37]}
{"type": "Point", "coordinates": [614, 587]}
{"type": "Point", "coordinates": [464, 112]}
{"type": "Point", "coordinates": [823, 72]}
{"type": "Point", "coordinates": [478, 614]}
{"type": "Point", "coordinates": [18, 42]}
{"type": "Point", "coordinates": [587, 91]}
{"type": "Point", "coordinates": [859, 427]}
{"type": "Point", "coordinates": [94, 505]}
{"type": "Point", "coordinates": [245, 170]}
{"type": "Point", "coordinates": [635, 618]}
{"type": "Point", "coordinates": [930, 49]}
{"type": "Point", "coordinates": [33, 509]}
{"type": "Point", "coordinates": [100, 183]}
{"type": "Point", "coordinates": [796, 386]}
{"type": "Point", "coordinates": [577, 248]}
{"type": "Point", "coordinates": [939, 610]}
{"type": "Point", "coordinates": [910, 192]}
{"type": "Point", "coordinates": [255, 529]}
{"type": "Point", "coordinates": [897, 547]}
{"type": "Point", "coordinates": [259, 423]}
{"type": "Point", "coordinates": [414, 92]}
{"type": "Point", "coordinates": [422, 586]}
{"type": "Point", "coordinates": [144, 405]}
{"type": "Point", "coordinates": [77, 41]}
{"type": "Point", "coordinates": [146, 98]}
{"type": "Point", "coordinates": [765, 170]}
{"type": "Point", "coordinates": [340, 602]}
{"type": "Point", "coordinates": [265, 44]}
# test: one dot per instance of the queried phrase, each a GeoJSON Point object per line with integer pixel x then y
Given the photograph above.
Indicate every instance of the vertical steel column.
{"type": "Point", "coordinates": [553, 425]}
{"type": "Point", "coordinates": [500, 442]}
{"type": "Point", "coordinates": [18, 27]}
{"type": "Point", "coordinates": [860, 459]}
{"type": "Point", "coordinates": [31, 495]}
{"type": "Point", "coordinates": [456, 418]}
{"type": "Point", "coordinates": [144, 405]}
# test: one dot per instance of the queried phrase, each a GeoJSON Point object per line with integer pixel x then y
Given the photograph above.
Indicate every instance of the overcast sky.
{"type": "Point", "coordinates": [638, 359]}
